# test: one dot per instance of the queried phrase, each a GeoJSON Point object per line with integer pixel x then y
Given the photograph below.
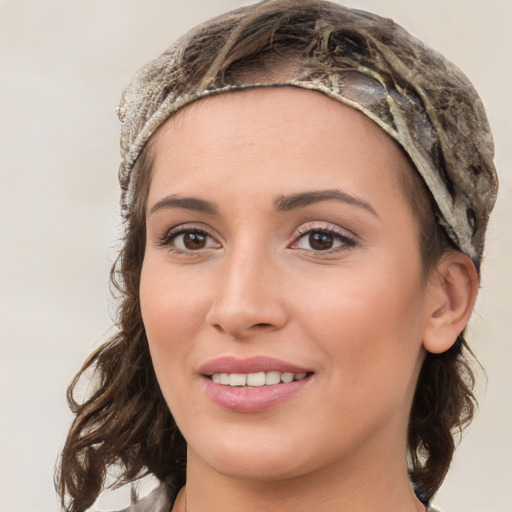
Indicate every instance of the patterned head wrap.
{"type": "Point", "coordinates": [362, 60]}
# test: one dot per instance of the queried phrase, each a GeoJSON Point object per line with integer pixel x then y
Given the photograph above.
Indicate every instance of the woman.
{"type": "Point", "coordinates": [306, 190]}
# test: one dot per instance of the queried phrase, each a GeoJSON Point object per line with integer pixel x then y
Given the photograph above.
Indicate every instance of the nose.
{"type": "Point", "coordinates": [249, 296]}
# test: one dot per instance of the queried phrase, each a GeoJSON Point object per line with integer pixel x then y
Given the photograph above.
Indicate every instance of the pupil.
{"type": "Point", "coordinates": [194, 241]}
{"type": "Point", "coordinates": [320, 241]}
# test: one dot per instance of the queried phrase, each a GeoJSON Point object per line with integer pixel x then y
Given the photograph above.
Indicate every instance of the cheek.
{"type": "Point", "coordinates": [369, 324]}
{"type": "Point", "coordinates": [171, 320]}
{"type": "Point", "coordinates": [172, 313]}
{"type": "Point", "coordinates": [171, 303]}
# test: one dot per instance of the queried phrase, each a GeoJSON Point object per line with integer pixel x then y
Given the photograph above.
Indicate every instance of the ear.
{"type": "Point", "coordinates": [453, 287]}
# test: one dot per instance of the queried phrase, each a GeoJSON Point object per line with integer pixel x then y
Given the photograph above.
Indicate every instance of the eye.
{"type": "Point", "coordinates": [323, 240]}
{"type": "Point", "coordinates": [189, 240]}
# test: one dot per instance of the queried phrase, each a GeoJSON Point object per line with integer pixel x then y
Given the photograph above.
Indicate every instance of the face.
{"type": "Point", "coordinates": [282, 289]}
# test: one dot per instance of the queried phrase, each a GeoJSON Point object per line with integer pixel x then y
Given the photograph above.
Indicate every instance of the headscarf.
{"type": "Point", "coordinates": [370, 63]}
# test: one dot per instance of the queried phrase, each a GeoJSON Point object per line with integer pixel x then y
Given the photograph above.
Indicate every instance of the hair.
{"type": "Point", "coordinates": [124, 422]}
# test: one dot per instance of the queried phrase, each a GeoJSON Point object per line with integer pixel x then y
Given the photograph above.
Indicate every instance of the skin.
{"type": "Point", "coordinates": [359, 315]}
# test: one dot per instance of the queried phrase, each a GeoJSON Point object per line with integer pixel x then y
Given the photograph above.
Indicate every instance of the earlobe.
{"type": "Point", "coordinates": [453, 290]}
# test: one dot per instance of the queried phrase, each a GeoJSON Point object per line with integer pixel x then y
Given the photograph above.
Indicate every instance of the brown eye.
{"type": "Point", "coordinates": [326, 240]}
{"type": "Point", "coordinates": [194, 241]}
{"type": "Point", "coordinates": [321, 241]}
{"type": "Point", "coordinates": [191, 240]}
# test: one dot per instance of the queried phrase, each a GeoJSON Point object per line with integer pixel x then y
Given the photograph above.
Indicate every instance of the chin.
{"type": "Point", "coordinates": [263, 460]}
{"type": "Point", "coordinates": [259, 469]}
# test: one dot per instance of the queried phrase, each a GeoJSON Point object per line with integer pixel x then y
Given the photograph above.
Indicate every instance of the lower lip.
{"type": "Point", "coordinates": [257, 399]}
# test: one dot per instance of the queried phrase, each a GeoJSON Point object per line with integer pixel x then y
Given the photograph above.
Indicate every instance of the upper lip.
{"type": "Point", "coordinates": [230, 364]}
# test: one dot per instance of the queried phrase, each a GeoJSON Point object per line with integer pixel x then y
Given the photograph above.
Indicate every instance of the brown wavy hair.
{"type": "Point", "coordinates": [124, 422]}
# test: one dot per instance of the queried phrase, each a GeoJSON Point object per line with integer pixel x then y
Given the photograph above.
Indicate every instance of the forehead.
{"type": "Point", "coordinates": [274, 137]}
{"type": "Point", "coordinates": [262, 114]}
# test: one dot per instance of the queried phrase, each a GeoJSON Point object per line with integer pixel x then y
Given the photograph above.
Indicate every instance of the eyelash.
{"type": "Point", "coordinates": [174, 233]}
{"type": "Point", "coordinates": [346, 241]}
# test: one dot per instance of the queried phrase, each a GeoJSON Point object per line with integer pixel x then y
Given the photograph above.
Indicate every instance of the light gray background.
{"type": "Point", "coordinates": [63, 64]}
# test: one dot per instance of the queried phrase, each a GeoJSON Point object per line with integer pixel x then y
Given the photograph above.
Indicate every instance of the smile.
{"type": "Point", "coordinates": [257, 379]}
{"type": "Point", "coordinates": [253, 384]}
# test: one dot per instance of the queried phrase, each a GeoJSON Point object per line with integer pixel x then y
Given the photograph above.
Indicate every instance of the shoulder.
{"type": "Point", "coordinates": [157, 500]}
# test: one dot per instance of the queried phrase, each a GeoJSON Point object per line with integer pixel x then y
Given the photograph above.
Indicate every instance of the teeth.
{"type": "Point", "coordinates": [255, 380]}
{"type": "Point", "coordinates": [272, 378]}
{"type": "Point", "coordinates": [287, 377]}
{"type": "Point", "coordinates": [237, 379]}
{"type": "Point", "coordinates": [221, 378]}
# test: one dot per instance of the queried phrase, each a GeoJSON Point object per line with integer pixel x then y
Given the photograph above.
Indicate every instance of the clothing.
{"type": "Point", "coordinates": [159, 500]}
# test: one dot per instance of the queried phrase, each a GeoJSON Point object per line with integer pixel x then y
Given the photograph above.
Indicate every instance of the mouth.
{"type": "Point", "coordinates": [257, 379]}
{"type": "Point", "coordinates": [255, 384]}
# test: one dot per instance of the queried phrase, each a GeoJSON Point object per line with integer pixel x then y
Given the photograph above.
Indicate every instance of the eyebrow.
{"type": "Point", "coordinates": [300, 200]}
{"type": "Point", "coordinates": [188, 203]}
{"type": "Point", "coordinates": [282, 203]}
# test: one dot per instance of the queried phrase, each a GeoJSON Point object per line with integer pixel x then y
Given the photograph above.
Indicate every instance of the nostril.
{"type": "Point", "coordinates": [242, 318]}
